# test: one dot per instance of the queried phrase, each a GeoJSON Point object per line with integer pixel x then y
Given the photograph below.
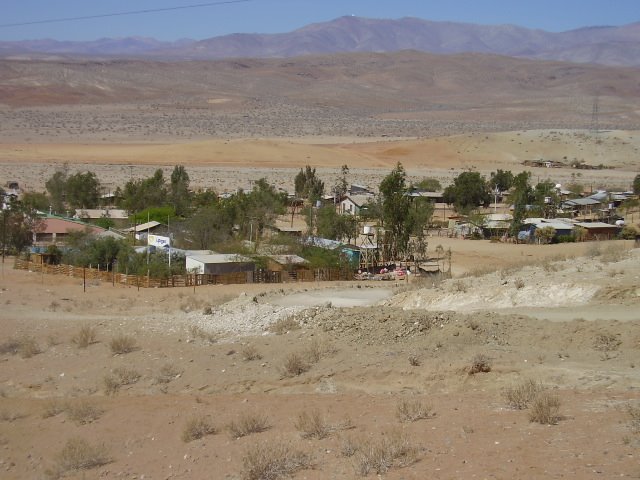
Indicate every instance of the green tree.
{"type": "Point", "coordinates": [395, 211]}
{"type": "Point", "coordinates": [468, 191]}
{"type": "Point", "coordinates": [545, 234]}
{"type": "Point", "coordinates": [636, 184]}
{"type": "Point", "coordinates": [18, 224]}
{"type": "Point", "coordinates": [180, 196]}
{"type": "Point", "coordinates": [36, 201]}
{"type": "Point", "coordinates": [209, 225]}
{"type": "Point", "coordinates": [144, 193]}
{"type": "Point", "coordinates": [259, 207]}
{"type": "Point", "coordinates": [521, 196]}
{"type": "Point", "coordinates": [82, 190]}
{"type": "Point", "coordinates": [429, 184]}
{"type": "Point", "coordinates": [57, 188]}
{"type": "Point", "coordinates": [420, 214]}
{"type": "Point", "coordinates": [342, 186]}
{"type": "Point", "coordinates": [501, 179]}
{"type": "Point", "coordinates": [335, 226]}
{"type": "Point", "coordinates": [308, 185]}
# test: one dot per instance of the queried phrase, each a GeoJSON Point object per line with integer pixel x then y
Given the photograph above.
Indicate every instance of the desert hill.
{"type": "Point", "coordinates": [400, 94]}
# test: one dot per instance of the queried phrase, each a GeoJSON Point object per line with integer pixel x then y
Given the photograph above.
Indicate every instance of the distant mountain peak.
{"type": "Point", "coordinates": [593, 44]}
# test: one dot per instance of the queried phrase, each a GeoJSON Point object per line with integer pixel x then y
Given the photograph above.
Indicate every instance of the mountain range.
{"type": "Point", "coordinates": [614, 46]}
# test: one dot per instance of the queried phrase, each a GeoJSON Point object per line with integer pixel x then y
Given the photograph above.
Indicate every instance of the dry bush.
{"type": "Point", "coordinates": [473, 324]}
{"type": "Point", "coordinates": [78, 454]}
{"type": "Point", "coordinates": [10, 416]}
{"type": "Point", "coordinates": [197, 427]}
{"type": "Point", "coordinates": [614, 253]}
{"type": "Point", "coordinates": [83, 412]}
{"type": "Point", "coordinates": [459, 286]}
{"type": "Point", "coordinates": [393, 449]}
{"type": "Point", "coordinates": [593, 250]}
{"type": "Point", "coordinates": [27, 346]}
{"type": "Point", "coordinates": [85, 336]}
{"type": "Point", "coordinates": [479, 364]}
{"type": "Point", "coordinates": [126, 376]}
{"type": "Point", "coordinates": [317, 350]}
{"type": "Point", "coordinates": [349, 446]}
{"type": "Point", "coordinates": [53, 407]}
{"type": "Point", "coordinates": [518, 283]}
{"type": "Point", "coordinates": [606, 343]}
{"type": "Point", "coordinates": [196, 332]}
{"type": "Point", "coordinates": [247, 424]}
{"type": "Point", "coordinates": [121, 376]}
{"type": "Point", "coordinates": [634, 415]}
{"type": "Point", "coordinates": [9, 346]}
{"type": "Point", "coordinates": [521, 395]}
{"type": "Point", "coordinates": [412, 410]}
{"type": "Point", "coordinates": [122, 344]}
{"type": "Point", "coordinates": [313, 425]}
{"type": "Point", "coordinates": [545, 408]}
{"type": "Point", "coordinates": [111, 384]}
{"type": "Point", "coordinates": [273, 460]}
{"type": "Point", "coordinates": [294, 365]}
{"type": "Point", "coordinates": [167, 373]}
{"type": "Point", "coordinates": [250, 352]}
{"type": "Point", "coordinates": [414, 360]}
{"type": "Point", "coordinates": [284, 325]}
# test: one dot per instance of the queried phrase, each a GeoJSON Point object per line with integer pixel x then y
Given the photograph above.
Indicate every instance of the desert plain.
{"type": "Point", "coordinates": [408, 379]}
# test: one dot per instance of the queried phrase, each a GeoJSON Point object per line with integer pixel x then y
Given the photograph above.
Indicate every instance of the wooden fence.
{"type": "Point", "coordinates": [188, 280]}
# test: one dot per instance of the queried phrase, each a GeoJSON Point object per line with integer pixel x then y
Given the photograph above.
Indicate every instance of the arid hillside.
{"type": "Point", "coordinates": [506, 373]}
{"type": "Point", "coordinates": [405, 94]}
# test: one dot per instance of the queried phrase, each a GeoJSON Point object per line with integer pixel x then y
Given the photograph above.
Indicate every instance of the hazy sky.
{"type": "Point", "coordinates": [273, 16]}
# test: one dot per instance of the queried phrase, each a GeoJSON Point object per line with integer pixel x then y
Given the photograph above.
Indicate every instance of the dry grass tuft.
{"type": "Point", "coordinates": [294, 365]}
{"type": "Point", "coordinates": [410, 411]}
{"type": "Point", "coordinates": [53, 407]}
{"type": "Point", "coordinates": [414, 360]}
{"type": "Point", "coordinates": [479, 364]}
{"type": "Point", "coordinates": [393, 449]}
{"type": "Point", "coordinates": [273, 460]}
{"type": "Point", "coordinates": [314, 425]}
{"type": "Point", "coordinates": [250, 353]}
{"type": "Point", "coordinates": [121, 376]}
{"type": "Point", "coordinates": [122, 344]}
{"type": "Point", "coordinates": [86, 336]}
{"type": "Point", "coordinates": [545, 409]}
{"type": "Point", "coordinates": [83, 412]}
{"type": "Point", "coordinates": [11, 416]}
{"type": "Point", "coordinates": [284, 325]}
{"type": "Point", "coordinates": [167, 373]}
{"type": "Point", "coordinates": [318, 349]}
{"type": "Point", "coordinates": [521, 395]}
{"type": "Point", "coordinates": [28, 347]}
{"type": "Point", "coordinates": [196, 332]}
{"type": "Point", "coordinates": [606, 344]}
{"type": "Point", "coordinates": [78, 454]}
{"type": "Point", "coordinates": [634, 415]}
{"type": "Point", "coordinates": [247, 424]}
{"type": "Point", "coordinates": [197, 427]}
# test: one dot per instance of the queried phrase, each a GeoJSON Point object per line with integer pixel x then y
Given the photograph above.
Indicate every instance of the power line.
{"type": "Point", "coordinates": [120, 14]}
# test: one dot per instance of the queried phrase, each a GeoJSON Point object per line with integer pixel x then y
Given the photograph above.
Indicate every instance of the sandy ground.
{"type": "Point", "coordinates": [567, 316]}
{"type": "Point", "coordinates": [227, 164]}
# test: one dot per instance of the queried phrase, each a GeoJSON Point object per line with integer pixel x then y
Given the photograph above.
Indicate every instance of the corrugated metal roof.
{"type": "Point", "coordinates": [220, 258]}
{"type": "Point", "coordinates": [288, 259]}
{"type": "Point", "coordinates": [589, 225]}
{"type": "Point", "coordinates": [143, 226]}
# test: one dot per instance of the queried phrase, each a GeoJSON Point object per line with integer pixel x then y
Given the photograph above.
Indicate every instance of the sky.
{"type": "Point", "coordinates": [278, 16]}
